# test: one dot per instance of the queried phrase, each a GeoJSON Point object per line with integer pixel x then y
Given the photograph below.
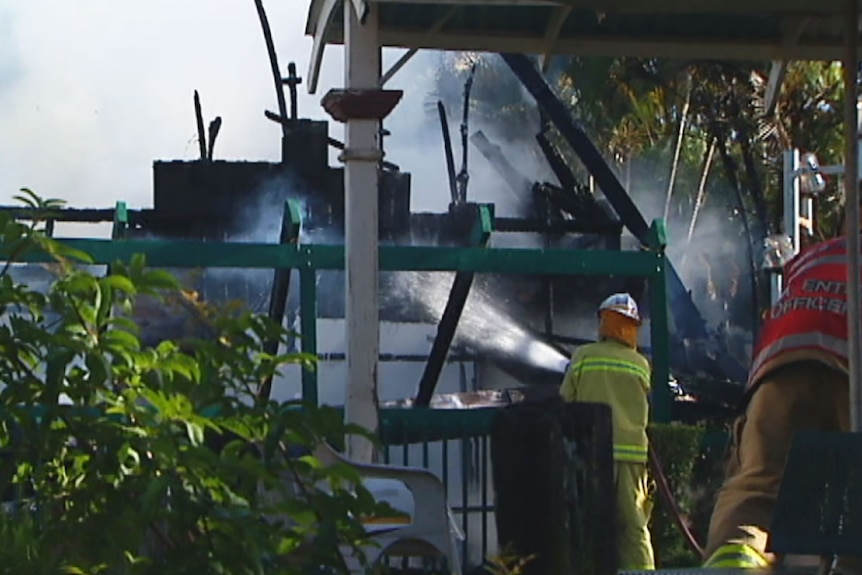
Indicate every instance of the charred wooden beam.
{"type": "Point", "coordinates": [557, 163]}
{"type": "Point", "coordinates": [449, 154]}
{"type": "Point", "coordinates": [199, 118]}
{"type": "Point", "coordinates": [518, 183]}
{"type": "Point", "coordinates": [521, 225]}
{"type": "Point", "coordinates": [214, 128]}
{"type": "Point", "coordinates": [464, 174]}
{"type": "Point", "coordinates": [688, 319]}
{"type": "Point", "coordinates": [452, 314]}
{"type": "Point", "coordinates": [273, 117]}
{"type": "Point", "coordinates": [292, 81]}
{"type": "Point", "coordinates": [77, 215]}
{"type": "Point", "coordinates": [273, 64]}
{"type": "Point", "coordinates": [290, 227]}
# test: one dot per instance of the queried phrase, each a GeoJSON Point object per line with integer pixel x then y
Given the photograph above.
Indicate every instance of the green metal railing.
{"type": "Point", "coordinates": [309, 259]}
{"type": "Point", "coordinates": [455, 445]}
{"type": "Point", "coordinates": [413, 436]}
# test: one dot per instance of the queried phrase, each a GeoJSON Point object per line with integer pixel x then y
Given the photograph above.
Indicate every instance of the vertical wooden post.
{"type": "Point", "coordinates": [662, 399]}
{"type": "Point", "coordinates": [851, 194]}
{"type": "Point", "coordinates": [362, 105]}
{"type": "Point", "coordinates": [362, 71]}
{"type": "Point", "coordinates": [308, 329]}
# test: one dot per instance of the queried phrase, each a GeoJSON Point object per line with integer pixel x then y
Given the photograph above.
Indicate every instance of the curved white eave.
{"type": "Point", "coordinates": [319, 18]}
{"type": "Point", "coordinates": [322, 12]}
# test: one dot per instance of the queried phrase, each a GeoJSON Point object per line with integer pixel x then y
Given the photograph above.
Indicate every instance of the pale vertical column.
{"type": "Point", "coordinates": [792, 197]}
{"type": "Point", "coordinates": [361, 157]}
{"type": "Point", "coordinates": [851, 194]}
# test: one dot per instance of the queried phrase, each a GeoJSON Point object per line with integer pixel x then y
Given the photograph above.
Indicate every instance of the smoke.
{"type": "Point", "coordinates": [485, 324]}
{"type": "Point", "coordinates": [10, 63]}
{"type": "Point", "coordinates": [713, 263]}
{"type": "Point", "coordinates": [93, 91]}
{"type": "Point", "coordinates": [416, 143]}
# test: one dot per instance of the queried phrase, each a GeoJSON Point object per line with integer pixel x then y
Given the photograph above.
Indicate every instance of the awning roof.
{"type": "Point", "coordinates": [691, 29]}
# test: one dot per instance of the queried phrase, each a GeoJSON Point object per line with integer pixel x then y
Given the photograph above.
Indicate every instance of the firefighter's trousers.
{"type": "Point", "coordinates": [634, 506]}
{"type": "Point", "coordinates": [799, 396]}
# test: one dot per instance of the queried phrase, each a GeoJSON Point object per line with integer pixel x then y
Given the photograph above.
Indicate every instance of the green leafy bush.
{"type": "Point", "coordinates": [678, 448]}
{"type": "Point", "coordinates": [166, 461]}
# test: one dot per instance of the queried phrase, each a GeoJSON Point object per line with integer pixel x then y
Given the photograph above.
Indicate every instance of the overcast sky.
{"type": "Point", "coordinates": [92, 91]}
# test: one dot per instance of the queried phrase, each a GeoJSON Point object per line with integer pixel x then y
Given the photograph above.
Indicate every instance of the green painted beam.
{"type": "Point", "coordinates": [121, 221]}
{"type": "Point", "coordinates": [291, 226]}
{"type": "Point", "coordinates": [397, 426]}
{"type": "Point", "coordinates": [308, 331]}
{"type": "Point", "coordinates": [662, 397]}
{"type": "Point", "coordinates": [448, 323]}
{"type": "Point", "coordinates": [657, 238]}
{"type": "Point", "coordinates": [161, 253]}
{"type": "Point", "coordinates": [293, 213]}
{"type": "Point", "coordinates": [309, 259]}
{"type": "Point", "coordinates": [484, 225]}
{"type": "Point", "coordinates": [417, 425]}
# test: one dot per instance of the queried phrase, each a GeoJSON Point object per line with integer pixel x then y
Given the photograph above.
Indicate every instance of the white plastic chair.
{"type": "Point", "coordinates": [430, 529]}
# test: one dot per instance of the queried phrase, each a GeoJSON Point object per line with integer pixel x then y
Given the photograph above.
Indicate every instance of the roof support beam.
{"type": "Point", "coordinates": [402, 61]}
{"type": "Point", "coordinates": [552, 33]}
{"type": "Point", "coordinates": [773, 88]}
{"type": "Point", "coordinates": [320, 29]}
{"type": "Point", "coordinates": [850, 64]}
{"type": "Point", "coordinates": [612, 46]}
{"type": "Point", "coordinates": [779, 67]}
{"type": "Point", "coordinates": [741, 7]}
{"type": "Point", "coordinates": [361, 7]}
{"type": "Point", "coordinates": [448, 324]}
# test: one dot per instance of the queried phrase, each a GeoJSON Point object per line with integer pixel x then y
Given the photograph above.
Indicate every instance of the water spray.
{"type": "Point", "coordinates": [485, 326]}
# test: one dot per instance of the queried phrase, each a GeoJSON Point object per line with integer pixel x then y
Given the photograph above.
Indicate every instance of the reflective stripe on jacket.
{"type": "Point", "coordinates": [810, 318]}
{"type": "Point", "coordinates": [736, 556]}
{"type": "Point", "coordinates": [611, 373]}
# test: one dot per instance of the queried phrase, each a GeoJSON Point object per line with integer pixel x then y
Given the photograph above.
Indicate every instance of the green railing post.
{"type": "Point", "coordinates": [121, 221]}
{"type": "Point", "coordinates": [291, 226]}
{"type": "Point", "coordinates": [662, 399]}
{"type": "Point", "coordinates": [119, 227]}
{"type": "Point", "coordinates": [308, 327]}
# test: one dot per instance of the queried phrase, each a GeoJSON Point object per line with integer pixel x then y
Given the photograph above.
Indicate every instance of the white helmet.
{"type": "Point", "coordinates": [622, 303]}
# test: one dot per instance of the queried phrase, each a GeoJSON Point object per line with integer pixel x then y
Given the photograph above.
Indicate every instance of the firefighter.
{"type": "Point", "coordinates": [798, 381]}
{"type": "Point", "coordinates": [612, 372]}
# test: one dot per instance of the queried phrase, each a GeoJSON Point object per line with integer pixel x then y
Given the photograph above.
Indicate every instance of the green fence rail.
{"type": "Point", "coordinates": [309, 259]}
{"type": "Point", "coordinates": [454, 445]}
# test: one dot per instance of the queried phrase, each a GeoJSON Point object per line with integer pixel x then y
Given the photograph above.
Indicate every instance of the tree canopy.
{"type": "Point", "coordinates": [691, 141]}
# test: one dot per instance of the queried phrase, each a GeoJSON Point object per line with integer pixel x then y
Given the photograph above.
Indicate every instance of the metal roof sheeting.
{"type": "Point", "coordinates": [695, 29]}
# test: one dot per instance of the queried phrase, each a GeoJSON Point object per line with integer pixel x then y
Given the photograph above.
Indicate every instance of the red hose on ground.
{"type": "Point", "coordinates": [667, 495]}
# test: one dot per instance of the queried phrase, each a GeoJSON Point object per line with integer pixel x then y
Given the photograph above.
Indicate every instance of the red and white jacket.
{"type": "Point", "coordinates": [809, 321]}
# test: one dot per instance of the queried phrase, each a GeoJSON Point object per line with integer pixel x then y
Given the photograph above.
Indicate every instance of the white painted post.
{"type": "Point", "coordinates": [807, 208]}
{"type": "Point", "coordinates": [850, 66]}
{"type": "Point", "coordinates": [361, 158]}
{"type": "Point", "coordinates": [791, 197]}
{"type": "Point", "coordinates": [776, 284]}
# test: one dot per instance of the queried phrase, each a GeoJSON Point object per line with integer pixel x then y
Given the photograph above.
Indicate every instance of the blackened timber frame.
{"type": "Point", "coordinates": [455, 303]}
{"type": "Point", "coordinates": [309, 259]}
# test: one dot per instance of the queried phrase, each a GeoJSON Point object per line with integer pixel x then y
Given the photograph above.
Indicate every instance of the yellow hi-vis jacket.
{"type": "Point", "coordinates": [614, 374]}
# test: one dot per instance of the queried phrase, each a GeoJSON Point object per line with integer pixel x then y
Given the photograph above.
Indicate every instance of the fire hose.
{"type": "Point", "coordinates": [672, 506]}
